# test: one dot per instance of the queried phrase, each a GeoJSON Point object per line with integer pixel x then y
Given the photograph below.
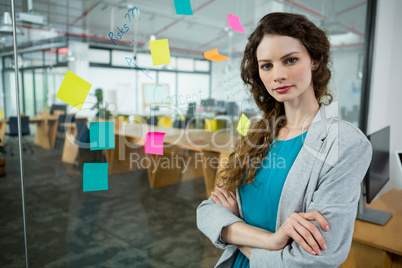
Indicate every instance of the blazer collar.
{"type": "Point", "coordinates": [303, 167]}
{"type": "Point", "coordinates": [293, 189]}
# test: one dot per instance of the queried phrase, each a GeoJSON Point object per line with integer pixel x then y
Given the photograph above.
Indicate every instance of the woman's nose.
{"type": "Point", "coordinates": [279, 74]}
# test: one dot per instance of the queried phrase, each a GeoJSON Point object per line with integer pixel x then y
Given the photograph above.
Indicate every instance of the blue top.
{"type": "Point", "coordinates": [260, 199]}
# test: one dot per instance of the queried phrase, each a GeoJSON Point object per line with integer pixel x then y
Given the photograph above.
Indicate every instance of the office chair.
{"type": "Point", "coordinates": [85, 154]}
{"type": "Point", "coordinates": [178, 123]}
{"type": "Point", "coordinates": [153, 120]}
{"type": "Point", "coordinates": [13, 125]}
{"type": "Point", "coordinates": [190, 113]}
{"type": "Point", "coordinates": [61, 130]}
{"type": "Point", "coordinates": [61, 107]}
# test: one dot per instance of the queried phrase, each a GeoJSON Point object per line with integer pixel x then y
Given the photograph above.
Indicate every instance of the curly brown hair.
{"type": "Point", "coordinates": [253, 148]}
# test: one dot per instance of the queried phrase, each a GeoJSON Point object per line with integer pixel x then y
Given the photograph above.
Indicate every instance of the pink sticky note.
{"type": "Point", "coordinates": [234, 22]}
{"type": "Point", "coordinates": [154, 143]}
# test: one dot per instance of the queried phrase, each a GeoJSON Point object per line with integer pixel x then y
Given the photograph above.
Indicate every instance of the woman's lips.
{"type": "Point", "coordinates": [283, 89]}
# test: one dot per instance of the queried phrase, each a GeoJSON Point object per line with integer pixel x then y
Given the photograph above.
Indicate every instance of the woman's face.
{"type": "Point", "coordinates": [285, 67]}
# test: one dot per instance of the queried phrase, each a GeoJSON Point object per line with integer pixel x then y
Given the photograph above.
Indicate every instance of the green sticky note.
{"type": "Point", "coordinates": [73, 90]}
{"type": "Point", "coordinates": [160, 52]}
{"type": "Point", "coordinates": [95, 177]}
{"type": "Point", "coordinates": [101, 135]}
{"type": "Point", "coordinates": [243, 125]}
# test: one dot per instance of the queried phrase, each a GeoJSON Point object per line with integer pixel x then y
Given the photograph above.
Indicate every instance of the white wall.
{"type": "Point", "coordinates": [386, 90]}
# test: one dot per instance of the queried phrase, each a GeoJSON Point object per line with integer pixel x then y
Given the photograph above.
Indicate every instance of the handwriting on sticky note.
{"type": "Point", "coordinates": [73, 90]}
{"type": "Point", "coordinates": [95, 177]}
{"type": "Point", "coordinates": [214, 55]}
{"type": "Point", "coordinates": [183, 7]}
{"type": "Point", "coordinates": [234, 22]}
{"type": "Point", "coordinates": [154, 143]}
{"type": "Point", "coordinates": [160, 52]}
{"type": "Point", "coordinates": [243, 125]}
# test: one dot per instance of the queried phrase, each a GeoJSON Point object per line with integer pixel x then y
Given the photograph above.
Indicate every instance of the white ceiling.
{"type": "Point", "coordinates": [203, 31]}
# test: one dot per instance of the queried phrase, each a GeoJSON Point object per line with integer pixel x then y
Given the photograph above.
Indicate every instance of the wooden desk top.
{"type": "Point", "coordinates": [35, 119]}
{"type": "Point", "coordinates": [388, 236]}
{"type": "Point", "coordinates": [192, 139]}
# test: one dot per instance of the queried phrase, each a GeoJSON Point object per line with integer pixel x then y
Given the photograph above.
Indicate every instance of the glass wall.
{"type": "Point", "coordinates": [146, 215]}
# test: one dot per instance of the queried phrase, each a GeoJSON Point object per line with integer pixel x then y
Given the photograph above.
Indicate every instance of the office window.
{"type": "Point", "coordinates": [119, 58]}
{"type": "Point", "coordinates": [99, 55]}
{"type": "Point", "coordinates": [202, 65]}
{"type": "Point", "coordinates": [191, 88]}
{"type": "Point", "coordinates": [144, 60]}
{"type": "Point", "coordinates": [184, 64]}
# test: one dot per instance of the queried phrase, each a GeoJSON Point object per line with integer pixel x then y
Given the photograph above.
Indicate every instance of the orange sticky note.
{"type": "Point", "coordinates": [214, 55]}
{"type": "Point", "coordinates": [73, 90]}
{"type": "Point", "coordinates": [154, 143]}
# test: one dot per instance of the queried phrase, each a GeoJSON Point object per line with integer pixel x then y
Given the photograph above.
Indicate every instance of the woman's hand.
{"type": "Point", "coordinates": [226, 198]}
{"type": "Point", "coordinates": [302, 231]}
{"type": "Point", "coordinates": [245, 250]}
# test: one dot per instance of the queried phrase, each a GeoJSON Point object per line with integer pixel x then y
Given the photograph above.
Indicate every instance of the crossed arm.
{"type": "Point", "coordinates": [297, 227]}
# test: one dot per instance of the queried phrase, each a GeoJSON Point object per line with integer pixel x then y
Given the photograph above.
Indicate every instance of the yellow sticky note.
{"type": "Point", "coordinates": [73, 90]}
{"type": "Point", "coordinates": [160, 52]}
{"type": "Point", "coordinates": [243, 125]}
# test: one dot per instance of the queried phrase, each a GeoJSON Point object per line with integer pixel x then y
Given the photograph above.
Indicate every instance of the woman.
{"type": "Point", "coordinates": [299, 210]}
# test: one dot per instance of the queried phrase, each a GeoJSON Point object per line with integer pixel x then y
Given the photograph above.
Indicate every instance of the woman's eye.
{"type": "Point", "coordinates": [292, 60]}
{"type": "Point", "coordinates": [266, 66]}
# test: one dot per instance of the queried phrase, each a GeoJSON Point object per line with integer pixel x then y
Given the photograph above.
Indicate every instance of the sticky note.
{"type": "Point", "coordinates": [101, 135]}
{"type": "Point", "coordinates": [154, 143]}
{"type": "Point", "coordinates": [183, 7]}
{"type": "Point", "coordinates": [234, 22]}
{"type": "Point", "coordinates": [214, 55]}
{"type": "Point", "coordinates": [243, 125]}
{"type": "Point", "coordinates": [160, 52]}
{"type": "Point", "coordinates": [73, 90]}
{"type": "Point", "coordinates": [95, 177]}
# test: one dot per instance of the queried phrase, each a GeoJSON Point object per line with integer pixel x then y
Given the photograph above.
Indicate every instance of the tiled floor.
{"type": "Point", "coordinates": [129, 225]}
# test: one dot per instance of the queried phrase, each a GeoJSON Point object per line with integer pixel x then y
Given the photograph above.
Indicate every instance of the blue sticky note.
{"type": "Point", "coordinates": [183, 7]}
{"type": "Point", "coordinates": [95, 177]}
{"type": "Point", "coordinates": [101, 135]}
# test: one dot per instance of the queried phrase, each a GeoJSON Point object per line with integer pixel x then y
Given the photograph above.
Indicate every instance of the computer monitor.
{"type": "Point", "coordinates": [378, 172]}
{"type": "Point", "coordinates": [208, 102]}
{"type": "Point", "coordinates": [399, 159]}
{"type": "Point", "coordinates": [191, 107]}
{"type": "Point", "coordinates": [376, 177]}
{"type": "Point", "coordinates": [231, 108]}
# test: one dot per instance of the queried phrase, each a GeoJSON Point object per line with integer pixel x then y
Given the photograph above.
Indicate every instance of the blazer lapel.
{"type": "Point", "coordinates": [303, 167]}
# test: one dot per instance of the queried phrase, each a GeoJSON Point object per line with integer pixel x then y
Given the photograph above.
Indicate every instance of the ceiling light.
{"type": "Point", "coordinates": [6, 25]}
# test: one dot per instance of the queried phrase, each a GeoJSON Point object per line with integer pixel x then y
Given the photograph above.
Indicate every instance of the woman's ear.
{"type": "Point", "coordinates": [314, 65]}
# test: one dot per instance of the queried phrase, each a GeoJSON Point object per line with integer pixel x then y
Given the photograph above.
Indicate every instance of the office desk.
{"type": "Point", "coordinates": [193, 144]}
{"type": "Point", "coordinates": [3, 127]}
{"type": "Point", "coordinates": [379, 246]}
{"type": "Point", "coordinates": [46, 130]}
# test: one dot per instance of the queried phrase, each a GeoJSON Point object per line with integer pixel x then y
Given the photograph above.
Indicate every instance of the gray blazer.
{"type": "Point", "coordinates": [326, 177]}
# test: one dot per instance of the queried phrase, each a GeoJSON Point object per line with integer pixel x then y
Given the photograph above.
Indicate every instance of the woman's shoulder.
{"type": "Point", "coordinates": [346, 132]}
